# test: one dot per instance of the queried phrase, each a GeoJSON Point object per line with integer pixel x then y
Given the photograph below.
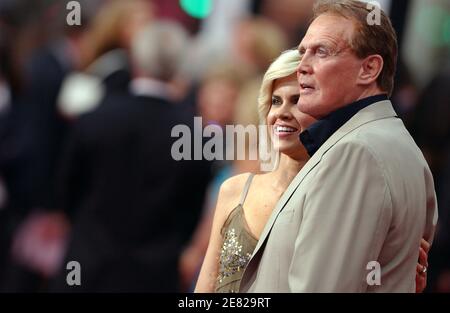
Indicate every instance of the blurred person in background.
{"type": "Point", "coordinates": [39, 122]}
{"type": "Point", "coordinates": [131, 204]}
{"type": "Point", "coordinates": [5, 107]}
{"type": "Point", "coordinates": [440, 255]}
{"type": "Point", "coordinates": [104, 61]}
{"type": "Point", "coordinates": [257, 42]}
{"type": "Point", "coordinates": [292, 16]}
{"type": "Point", "coordinates": [213, 42]}
{"type": "Point", "coordinates": [39, 60]}
{"type": "Point", "coordinates": [253, 42]}
{"type": "Point", "coordinates": [218, 94]}
{"type": "Point", "coordinates": [405, 95]}
{"type": "Point", "coordinates": [431, 130]}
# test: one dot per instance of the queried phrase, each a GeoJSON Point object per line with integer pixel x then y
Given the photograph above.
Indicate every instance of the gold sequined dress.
{"type": "Point", "coordinates": [237, 247]}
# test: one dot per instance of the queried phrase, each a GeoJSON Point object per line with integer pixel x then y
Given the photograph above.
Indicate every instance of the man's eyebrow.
{"type": "Point", "coordinates": [323, 44]}
{"type": "Point", "coordinates": [301, 48]}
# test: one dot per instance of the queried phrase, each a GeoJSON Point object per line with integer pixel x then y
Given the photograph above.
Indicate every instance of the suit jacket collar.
{"type": "Point", "coordinates": [376, 111]}
{"type": "Point", "coordinates": [319, 132]}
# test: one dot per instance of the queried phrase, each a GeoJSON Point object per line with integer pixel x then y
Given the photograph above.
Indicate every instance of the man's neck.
{"type": "Point", "coordinates": [366, 93]}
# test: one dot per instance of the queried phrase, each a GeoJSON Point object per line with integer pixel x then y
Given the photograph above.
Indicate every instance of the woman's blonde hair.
{"type": "Point", "coordinates": [285, 65]}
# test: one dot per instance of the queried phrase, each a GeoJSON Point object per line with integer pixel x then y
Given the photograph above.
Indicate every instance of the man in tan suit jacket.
{"type": "Point", "coordinates": [353, 217]}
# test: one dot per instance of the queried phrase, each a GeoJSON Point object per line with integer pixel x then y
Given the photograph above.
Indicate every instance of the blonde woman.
{"type": "Point", "coordinates": [246, 201]}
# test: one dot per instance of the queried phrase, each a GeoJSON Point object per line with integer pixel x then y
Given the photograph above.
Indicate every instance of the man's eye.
{"type": "Point", "coordinates": [322, 52]}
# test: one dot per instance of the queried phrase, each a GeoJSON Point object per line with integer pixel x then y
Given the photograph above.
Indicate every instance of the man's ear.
{"type": "Point", "coordinates": [370, 69]}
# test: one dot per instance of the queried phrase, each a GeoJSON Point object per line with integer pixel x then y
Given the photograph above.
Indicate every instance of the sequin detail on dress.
{"type": "Point", "coordinates": [238, 245]}
{"type": "Point", "coordinates": [232, 259]}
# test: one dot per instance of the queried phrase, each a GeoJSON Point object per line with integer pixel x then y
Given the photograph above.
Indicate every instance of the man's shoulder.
{"type": "Point", "coordinates": [385, 143]}
{"type": "Point", "coordinates": [379, 134]}
{"type": "Point", "coordinates": [387, 137]}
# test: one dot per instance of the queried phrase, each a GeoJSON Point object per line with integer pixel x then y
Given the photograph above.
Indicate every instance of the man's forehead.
{"type": "Point", "coordinates": [328, 28]}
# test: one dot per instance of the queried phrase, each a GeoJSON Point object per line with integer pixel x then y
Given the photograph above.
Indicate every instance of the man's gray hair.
{"type": "Point", "coordinates": [158, 49]}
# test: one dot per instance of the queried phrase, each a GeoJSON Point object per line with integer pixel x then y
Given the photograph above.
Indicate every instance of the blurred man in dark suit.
{"type": "Point", "coordinates": [131, 204]}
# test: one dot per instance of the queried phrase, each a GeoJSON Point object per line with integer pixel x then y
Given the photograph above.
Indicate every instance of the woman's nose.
{"type": "Point", "coordinates": [284, 111]}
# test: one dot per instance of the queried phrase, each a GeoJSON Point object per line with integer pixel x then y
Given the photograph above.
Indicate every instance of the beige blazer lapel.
{"type": "Point", "coordinates": [378, 110]}
{"type": "Point", "coordinates": [285, 197]}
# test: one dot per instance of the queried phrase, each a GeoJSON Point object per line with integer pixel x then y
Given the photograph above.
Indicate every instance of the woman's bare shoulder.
{"type": "Point", "coordinates": [230, 192]}
{"type": "Point", "coordinates": [235, 184]}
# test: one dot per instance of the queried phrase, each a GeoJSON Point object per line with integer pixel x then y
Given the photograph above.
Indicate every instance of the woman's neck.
{"type": "Point", "coordinates": [287, 169]}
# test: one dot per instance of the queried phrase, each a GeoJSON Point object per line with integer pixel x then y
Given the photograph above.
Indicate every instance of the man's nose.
{"type": "Point", "coordinates": [304, 66]}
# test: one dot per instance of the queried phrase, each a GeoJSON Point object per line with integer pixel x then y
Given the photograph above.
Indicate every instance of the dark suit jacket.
{"type": "Point", "coordinates": [37, 135]}
{"type": "Point", "coordinates": [132, 205]}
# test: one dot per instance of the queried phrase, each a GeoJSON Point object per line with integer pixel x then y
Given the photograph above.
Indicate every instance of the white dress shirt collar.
{"type": "Point", "coordinates": [150, 87]}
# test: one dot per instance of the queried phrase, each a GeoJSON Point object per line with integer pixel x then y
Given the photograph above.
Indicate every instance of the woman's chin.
{"type": "Point", "coordinates": [289, 149]}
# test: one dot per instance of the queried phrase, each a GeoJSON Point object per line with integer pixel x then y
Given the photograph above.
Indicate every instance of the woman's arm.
{"type": "Point", "coordinates": [228, 199]}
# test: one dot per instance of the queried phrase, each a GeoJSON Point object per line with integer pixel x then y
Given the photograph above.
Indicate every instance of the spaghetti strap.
{"type": "Point", "coordinates": [246, 188]}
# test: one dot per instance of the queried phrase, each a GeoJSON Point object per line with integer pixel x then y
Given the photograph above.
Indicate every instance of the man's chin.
{"type": "Point", "coordinates": [310, 108]}
{"type": "Point", "coordinates": [305, 106]}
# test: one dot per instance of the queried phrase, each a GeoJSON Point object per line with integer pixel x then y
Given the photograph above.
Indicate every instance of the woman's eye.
{"type": "Point", "coordinates": [302, 52]}
{"type": "Point", "coordinates": [276, 101]}
{"type": "Point", "coordinates": [295, 99]}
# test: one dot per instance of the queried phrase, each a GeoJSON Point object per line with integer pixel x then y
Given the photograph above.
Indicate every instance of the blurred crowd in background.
{"type": "Point", "coordinates": [86, 113]}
